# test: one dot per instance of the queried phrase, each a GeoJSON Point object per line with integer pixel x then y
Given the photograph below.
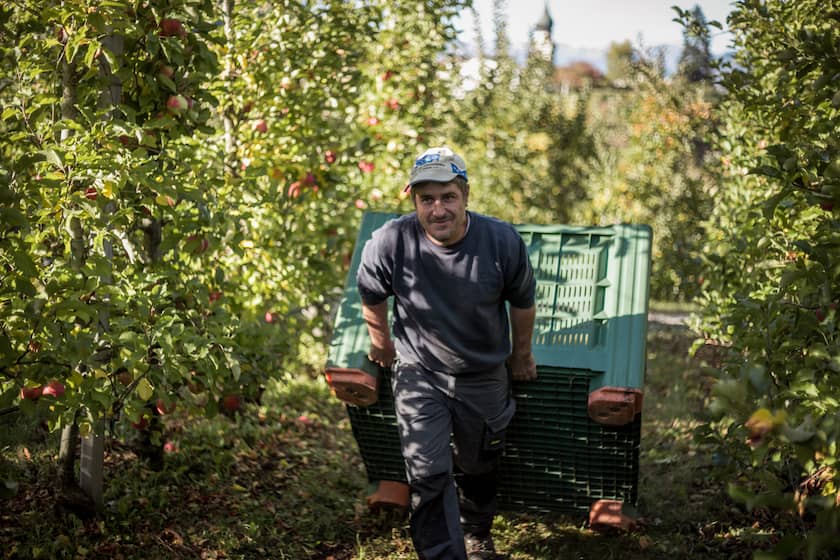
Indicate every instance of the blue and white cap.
{"type": "Point", "coordinates": [440, 165]}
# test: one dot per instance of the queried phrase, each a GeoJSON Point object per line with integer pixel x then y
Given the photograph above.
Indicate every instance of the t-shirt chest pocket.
{"type": "Point", "coordinates": [484, 288]}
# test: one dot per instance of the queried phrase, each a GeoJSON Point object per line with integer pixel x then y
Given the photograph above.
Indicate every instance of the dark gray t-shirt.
{"type": "Point", "coordinates": [449, 302]}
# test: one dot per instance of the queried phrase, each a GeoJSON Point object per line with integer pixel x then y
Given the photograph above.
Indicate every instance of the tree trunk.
{"type": "Point", "coordinates": [92, 460]}
{"type": "Point", "coordinates": [70, 433]}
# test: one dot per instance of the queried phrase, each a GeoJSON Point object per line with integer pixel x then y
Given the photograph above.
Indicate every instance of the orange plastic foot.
{"type": "Point", "coordinates": [607, 514]}
{"type": "Point", "coordinates": [353, 386]}
{"type": "Point", "coordinates": [614, 406]}
{"type": "Point", "coordinates": [389, 494]}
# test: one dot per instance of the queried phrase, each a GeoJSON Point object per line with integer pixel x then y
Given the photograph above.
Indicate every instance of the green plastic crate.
{"type": "Point", "coordinates": [589, 336]}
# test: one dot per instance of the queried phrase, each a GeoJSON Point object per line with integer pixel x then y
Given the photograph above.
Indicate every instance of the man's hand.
{"type": "Point", "coordinates": [523, 367]}
{"type": "Point", "coordinates": [383, 356]}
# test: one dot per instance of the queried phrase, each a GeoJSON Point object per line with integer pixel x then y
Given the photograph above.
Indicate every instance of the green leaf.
{"type": "Point", "coordinates": [25, 265]}
{"type": "Point", "coordinates": [166, 81]}
{"type": "Point", "coordinates": [13, 217]}
{"type": "Point", "coordinates": [145, 389]}
{"type": "Point", "coordinates": [90, 54]}
{"type": "Point", "coordinates": [53, 158]}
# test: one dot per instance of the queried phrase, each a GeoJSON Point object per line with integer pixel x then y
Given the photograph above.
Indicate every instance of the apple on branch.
{"type": "Point", "coordinates": [170, 27]}
{"type": "Point", "coordinates": [177, 104]}
{"type": "Point", "coordinates": [164, 408]}
{"type": "Point", "coordinates": [166, 70]}
{"type": "Point", "coordinates": [197, 244]}
{"type": "Point", "coordinates": [54, 388]}
{"type": "Point", "coordinates": [261, 126]}
{"type": "Point", "coordinates": [30, 393]}
{"type": "Point", "coordinates": [231, 403]}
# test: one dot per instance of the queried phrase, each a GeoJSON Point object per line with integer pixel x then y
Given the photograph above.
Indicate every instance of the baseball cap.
{"type": "Point", "coordinates": [437, 164]}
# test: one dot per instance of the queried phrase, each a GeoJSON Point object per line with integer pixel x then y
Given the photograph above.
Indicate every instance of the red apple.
{"type": "Point", "coordinates": [170, 447]}
{"type": "Point", "coordinates": [330, 156]}
{"type": "Point", "coordinates": [247, 107]}
{"type": "Point", "coordinates": [90, 193]}
{"type": "Point", "coordinates": [366, 166]}
{"type": "Point", "coordinates": [141, 424]}
{"type": "Point", "coordinates": [215, 296]}
{"type": "Point", "coordinates": [125, 378]}
{"type": "Point", "coordinates": [166, 70]}
{"type": "Point", "coordinates": [177, 104]}
{"type": "Point", "coordinates": [126, 140]}
{"type": "Point", "coordinates": [163, 408]}
{"type": "Point", "coordinates": [361, 204]}
{"type": "Point", "coordinates": [309, 179]}
{"type": "Point", "coordinates": [54, 388]}
{"type": "Point", "coordinates": [30, 393]}
{"type": "Point", "coordinates": [269, 317]}
{"type": "Point", "coordinates": [169, 27]}
{"type": "Point", "coordinates": [295, 189]}
{"type": "Point", "coordinates": [393, 104]}
{"type": "Point", "coordinates": [261, 126]}
{"type": "Point", "coordinates": [386, 75]}
{"type": "Point", "coordinates": [231, 403]}
{"type": "Point", "coordinates": [34, 346]}
{"type": "Point", "coordinates": [197, 244]}
{"type": "Point", "coordinates": [372, 121]}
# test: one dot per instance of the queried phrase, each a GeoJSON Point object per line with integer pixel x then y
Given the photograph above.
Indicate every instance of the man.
{"type": "Point", "coordinates": [451, 272]}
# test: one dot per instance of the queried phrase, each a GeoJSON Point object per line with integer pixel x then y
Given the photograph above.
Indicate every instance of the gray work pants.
{"type": "Point", "coordinates": [452, 435]}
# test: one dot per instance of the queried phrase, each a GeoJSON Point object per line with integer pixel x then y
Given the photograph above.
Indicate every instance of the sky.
{"type": "Point", "coordinates": [594, 24]}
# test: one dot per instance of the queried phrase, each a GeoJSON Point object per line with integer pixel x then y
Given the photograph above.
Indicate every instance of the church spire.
{"type": "Point", "coordinates": [545, 23]}
{"type": "Point", "coordinates": [541, 43]}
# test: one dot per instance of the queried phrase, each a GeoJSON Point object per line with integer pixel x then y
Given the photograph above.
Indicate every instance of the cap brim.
{"type": "Point", "coordinates": [437, 176]}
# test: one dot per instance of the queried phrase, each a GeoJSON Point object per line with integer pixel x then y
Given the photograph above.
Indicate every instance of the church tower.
{"type": "Point", "coordinates": [541, 43]}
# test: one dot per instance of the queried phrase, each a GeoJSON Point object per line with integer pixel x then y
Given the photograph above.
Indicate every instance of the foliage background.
{"type": "Point", "coordinates": [179, 202]}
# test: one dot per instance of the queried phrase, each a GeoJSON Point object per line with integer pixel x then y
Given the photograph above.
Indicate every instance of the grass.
{"type": "Point", "coordinates": [284, 480]}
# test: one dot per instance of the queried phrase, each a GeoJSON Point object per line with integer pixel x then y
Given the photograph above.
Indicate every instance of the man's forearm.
{"type": "Point", "coordinates": [376, 317]}
{"type": "Point", "coordinates": [522, 328]}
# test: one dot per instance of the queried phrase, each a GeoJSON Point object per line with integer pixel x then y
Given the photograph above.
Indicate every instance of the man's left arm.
{"type": "Point", "coordinates": [522, 364]}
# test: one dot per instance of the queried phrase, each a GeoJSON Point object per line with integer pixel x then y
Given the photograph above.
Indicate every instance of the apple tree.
{"type": "Point", "coordinates": [104, 291]}
{"type": "Point", "coordinates": [771, 266]}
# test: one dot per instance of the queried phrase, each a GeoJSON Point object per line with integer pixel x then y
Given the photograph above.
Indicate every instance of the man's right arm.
{"type": "Point", "coordinates": [381, 346]}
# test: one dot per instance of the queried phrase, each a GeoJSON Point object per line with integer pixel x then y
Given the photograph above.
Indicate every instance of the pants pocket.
{"type": "Point", "coordinates": [495, 428]}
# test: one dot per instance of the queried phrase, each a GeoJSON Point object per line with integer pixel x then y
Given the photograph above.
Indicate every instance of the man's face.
{"type": "Point", "coordinates": [442, 210]}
